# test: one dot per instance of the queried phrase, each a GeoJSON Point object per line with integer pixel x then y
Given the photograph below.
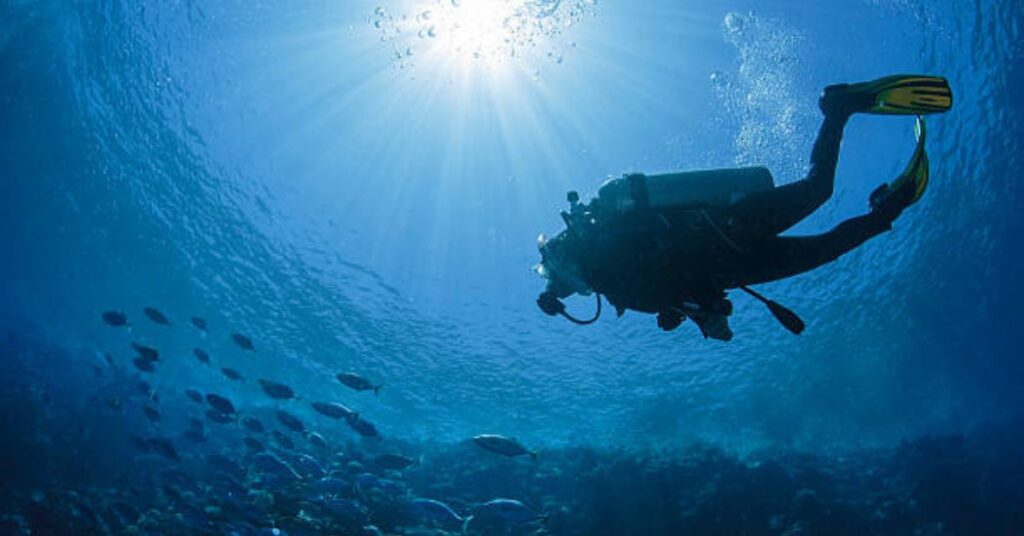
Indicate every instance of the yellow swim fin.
{"type": "Point", "coordinates": [909, 186]}
{"type": "Point", "coordinates": [892, 95]}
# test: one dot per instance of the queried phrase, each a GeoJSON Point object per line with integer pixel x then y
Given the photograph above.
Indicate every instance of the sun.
{"type": "Point", "coordinates": [483, 32]}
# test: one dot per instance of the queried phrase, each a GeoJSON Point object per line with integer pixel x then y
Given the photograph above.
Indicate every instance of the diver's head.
{"type": "Point", "coordinates": [559, 266]}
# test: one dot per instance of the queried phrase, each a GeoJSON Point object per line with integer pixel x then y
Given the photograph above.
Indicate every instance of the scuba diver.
{"type": "Point", "coordinates": [673, 245]}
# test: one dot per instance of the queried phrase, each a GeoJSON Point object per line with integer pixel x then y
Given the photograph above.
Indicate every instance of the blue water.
{"type": "Point", "coordinates": [359, 186]}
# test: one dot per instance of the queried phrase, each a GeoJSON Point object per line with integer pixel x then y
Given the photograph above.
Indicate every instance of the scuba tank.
{"type": "Point", "coordinates": [718, 188]}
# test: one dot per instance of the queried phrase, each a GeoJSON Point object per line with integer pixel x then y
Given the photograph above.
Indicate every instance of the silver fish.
{"type": "Point", "coordinates": [357, 382]}
{"type": "Point", "coordinates": [506, 446]}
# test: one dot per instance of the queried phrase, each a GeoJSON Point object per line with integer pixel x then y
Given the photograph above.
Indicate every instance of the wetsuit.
{"type": "Point", "coordinates": [770, 257]}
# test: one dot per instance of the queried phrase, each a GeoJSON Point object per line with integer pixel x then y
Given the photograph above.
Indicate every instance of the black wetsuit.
{"type": "Point", "coordinates": [771, 257]}
{"type": "Point", "coordinates": [655, 260]}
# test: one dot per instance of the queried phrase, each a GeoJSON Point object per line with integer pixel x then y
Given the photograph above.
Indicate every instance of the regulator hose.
{"type": "Point", "coordinates": [552, 306]}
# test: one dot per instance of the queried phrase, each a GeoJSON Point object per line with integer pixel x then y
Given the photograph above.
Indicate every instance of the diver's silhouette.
{"type": "Point", "coordinates": [673, 244]}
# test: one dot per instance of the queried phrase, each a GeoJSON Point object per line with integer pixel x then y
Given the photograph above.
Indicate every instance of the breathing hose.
{"type": "Point", "coordinates": [552, 306]}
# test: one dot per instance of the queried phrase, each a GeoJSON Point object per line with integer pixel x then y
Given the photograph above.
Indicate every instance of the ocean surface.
{"type": "Point", "coordinates": [298, 189]}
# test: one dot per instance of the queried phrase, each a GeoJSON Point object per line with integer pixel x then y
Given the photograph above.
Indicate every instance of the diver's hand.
{"type": "Point", "coordinates": [715, 327]}
{"type": "Point", "coordinates": [670, 320]}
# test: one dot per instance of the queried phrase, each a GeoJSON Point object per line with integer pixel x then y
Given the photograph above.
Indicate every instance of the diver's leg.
{"type": "Point", "coordinates": [780, 208]}
{"type": "Point", "coordinates": [784, 256]}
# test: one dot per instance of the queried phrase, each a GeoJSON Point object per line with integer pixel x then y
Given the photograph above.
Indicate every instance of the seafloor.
{"type": "Point", "coordinates": [80, 456]}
